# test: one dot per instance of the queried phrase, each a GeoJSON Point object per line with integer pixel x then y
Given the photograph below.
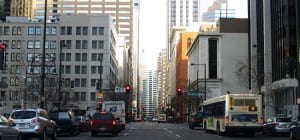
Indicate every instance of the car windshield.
{"type": "Point", "coordinates": [23, 114]}
{"type": "Point", "coordinates": [59, 115]}
{"type": "Point", "coordinates": [102, 116]}
{"type": "Point", "coordinates": [283, 120]}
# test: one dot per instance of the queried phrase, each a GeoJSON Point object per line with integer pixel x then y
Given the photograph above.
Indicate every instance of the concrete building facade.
{"type": "Point", "coordinates": [86, 46]}
{"type": "Point", "coordinates": [217, 57]}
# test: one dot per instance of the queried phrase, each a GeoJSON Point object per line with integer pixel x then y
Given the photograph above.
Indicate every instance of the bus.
{"type": "Point", "coordinates": [231, 113]}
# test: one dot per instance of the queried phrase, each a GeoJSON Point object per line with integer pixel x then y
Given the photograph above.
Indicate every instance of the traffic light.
{"type": "Point", "coordinates": [127, 89]}
{"type": "Point", "coordinates": [179, 91]}
{"type": "Point", "coordinates": [99, 105]}
{"type": "Point", "coordinates": [72, 84]}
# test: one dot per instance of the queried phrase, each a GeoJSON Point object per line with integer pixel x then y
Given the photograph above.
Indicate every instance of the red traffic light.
{"type": "Point", "coordinates": [127, 88]}
{"type": "Point", "coordinates": [179, 89]}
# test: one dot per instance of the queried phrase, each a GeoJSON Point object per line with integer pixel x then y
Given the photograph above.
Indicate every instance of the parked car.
{"type": "Point", "coordinates": [7, 130]}
{"type": "Point", "coordinates": [196, 120]}
{"type": "Point", "coordinates": [33, 123]}
{"type": "Point", "coordinates": [104, 122]}
{"type": "Point", "coordinates": [277, 125]}
{"type": "Point", "coordinates": [84, 125]}
{"type": "Point", "coordinates": [295, 130]}
{"type": "Point", "coordinates": [65, 122]}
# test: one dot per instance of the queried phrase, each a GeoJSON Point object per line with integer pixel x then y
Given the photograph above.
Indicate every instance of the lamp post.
{"type": "Point", "coordinates": [42, 98]}
{"type": "Point", "coordinates": [59, 77]}
{"type": "Point", "coordinates": [192, 64]}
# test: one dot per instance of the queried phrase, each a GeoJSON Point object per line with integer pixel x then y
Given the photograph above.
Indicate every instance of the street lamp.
{"type": "Point", "coordinates": [43, 59]}
{"type": "Point", "coordinates": [192, 64]}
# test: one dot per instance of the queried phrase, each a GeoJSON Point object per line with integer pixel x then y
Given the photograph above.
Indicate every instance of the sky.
{"type": "Point", "coordinates": [153, 26]}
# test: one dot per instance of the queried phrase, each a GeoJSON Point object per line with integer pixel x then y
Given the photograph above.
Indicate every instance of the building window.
{"type": "Point", "coordinates": [93, 96]}
{"type": "Point", "coordinates": [94, 30]}
{"type": "Point", "coordinates": [77, 56]}
{"type": "Point", "coordinates": [30, 44]}
{"type": "Point", "coordinates": [84, 57]}
{"type": "Point", "coordinates": [78, 44]}
{"type": "Point", "coordinates": [78, 30]}
{"type": "Point", "coordinates": [68, 56]}
{"type": "Point", "coordinates": [6, 30]}
{"type": "Point", "coordinates": [38, 30]}
{"type": "Point", "coordinates": [83, 96]}
{"type": "Point", "coordinates": [77, 69]}
{"type": "Point", "coordinates": [76, 96]}
{"type": "Point", "coordinates": [93, 69]}
{"type": "Point", "coordinates": [101, 44]}
{"type": "Point", "coordinates": [31, 31]}
{"type": "Point", "coordinates": [37, 44]}
{"type": "Point", "coordinates": [68, 69]}
{"type": "Point", "coordinates": [62, 30]}
{"type": "Point", "coordinates": [77, 82]}
{"type": "Point", "coordinates": [83, 82]}
{"type": "Point", "coordinates": [69, 30]}
{"type": "Point", "coordinates": [84, 44]}
{"type": "Point", "coordinates": [85, 31]}
{"type": "Point", "coordinates": [93, 82]}
{"type": "Point", "coordinates": [213, 65]}
{"type": "Point", "coordinates": [101, 30]}
{"type": "Point", "coordinates": [83, 70]}
{"type": "Point", "coordinates": [94, 57]}
{"type": "Point", "coordinates": [94, 44]}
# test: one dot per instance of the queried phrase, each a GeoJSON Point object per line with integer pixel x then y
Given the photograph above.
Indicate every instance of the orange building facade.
{"type": "Point", "coordinates": [184, 42]}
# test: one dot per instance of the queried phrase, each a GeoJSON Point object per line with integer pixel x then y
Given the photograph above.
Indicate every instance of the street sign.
{"type": "Point", "coordinates": [193, 93]}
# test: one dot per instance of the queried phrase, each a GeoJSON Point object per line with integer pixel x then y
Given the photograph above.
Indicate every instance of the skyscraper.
{"type": "Point", "coordinates": [183, 12]}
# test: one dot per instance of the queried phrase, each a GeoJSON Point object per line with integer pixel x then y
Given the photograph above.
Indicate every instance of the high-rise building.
{"type": "Point", "coordinates": [79, 47]}
{"type": "Point", "coordinates": [4, 9]}
{"type": "Point", "coordinates": [162, 80]}
{"type": "Point", "coordinates": [183, 12]}
{"type": "Point", "coordinates": [274, 36]}
{"type": "Point", "coordinates": [21, 8]}
{"type": "Point", "coordinates": [120, 10]}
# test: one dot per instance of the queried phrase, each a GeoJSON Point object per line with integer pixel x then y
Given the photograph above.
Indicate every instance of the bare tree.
{"type": "Point", "coordinates": [242, 72]}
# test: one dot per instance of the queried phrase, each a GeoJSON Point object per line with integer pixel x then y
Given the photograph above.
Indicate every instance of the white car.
{"type": "Point", "coordinates": [33, 123]}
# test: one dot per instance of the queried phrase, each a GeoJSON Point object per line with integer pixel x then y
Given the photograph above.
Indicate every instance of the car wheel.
{"type": "Point", "coordinates": [205, 127]}
{"type": "Point", "coordinates": [54, 135]}
{"type": "Point", "coordinates": [218, 129]}
{"type": "Point", "coordinates": [20, 137]}
{"type": "Point", "coordinates": [292, 137]}
{"type": "Point", "coordinates": [43, 135]}
{"type": "Point", "coordinates": [93, 133]}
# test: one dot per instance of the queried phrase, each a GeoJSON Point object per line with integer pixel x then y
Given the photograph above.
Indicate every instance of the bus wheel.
{"type": "Point", "coordinates": [205, 127]}
{"type": "Point", "coordinates": [218, 129]}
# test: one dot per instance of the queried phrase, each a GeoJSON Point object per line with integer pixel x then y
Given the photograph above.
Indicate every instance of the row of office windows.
{"type": "Point", "coordinates": [50, 57]}
{"type": "Point", "coordinates": [34, 96]}
{"type": "Point", "coordinates": [37, 44]}
{"type": "Point", "coordinates": [37, 30]}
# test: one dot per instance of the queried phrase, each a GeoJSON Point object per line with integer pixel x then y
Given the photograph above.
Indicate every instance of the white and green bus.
{"type": "Point", "coordinates": [233, 113]}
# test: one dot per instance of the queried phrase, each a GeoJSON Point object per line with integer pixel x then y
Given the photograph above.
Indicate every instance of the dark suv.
{"type": "Point", "coordinates": [65, 122]}
{"type": "Point", "coordinates": [196, 120]}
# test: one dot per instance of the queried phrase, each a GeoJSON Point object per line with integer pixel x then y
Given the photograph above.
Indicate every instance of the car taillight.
{"type": "Point", "coordinates": [113, 122]}
{"type": "Point", "coordinates": [10, 121]}
{"type": "Point", "coordinates": [91, 123]}
{"type": "Point", "coordinates": [193, 119]}
{"type": "Point", "coordinates": [35, 120]}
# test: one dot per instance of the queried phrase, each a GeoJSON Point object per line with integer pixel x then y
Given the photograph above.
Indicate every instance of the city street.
{"type": "Point", "coordinates": [164, 131]}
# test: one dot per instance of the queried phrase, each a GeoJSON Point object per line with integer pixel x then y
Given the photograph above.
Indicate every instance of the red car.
{"type": "Point", "coordinates": [104, 122]}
